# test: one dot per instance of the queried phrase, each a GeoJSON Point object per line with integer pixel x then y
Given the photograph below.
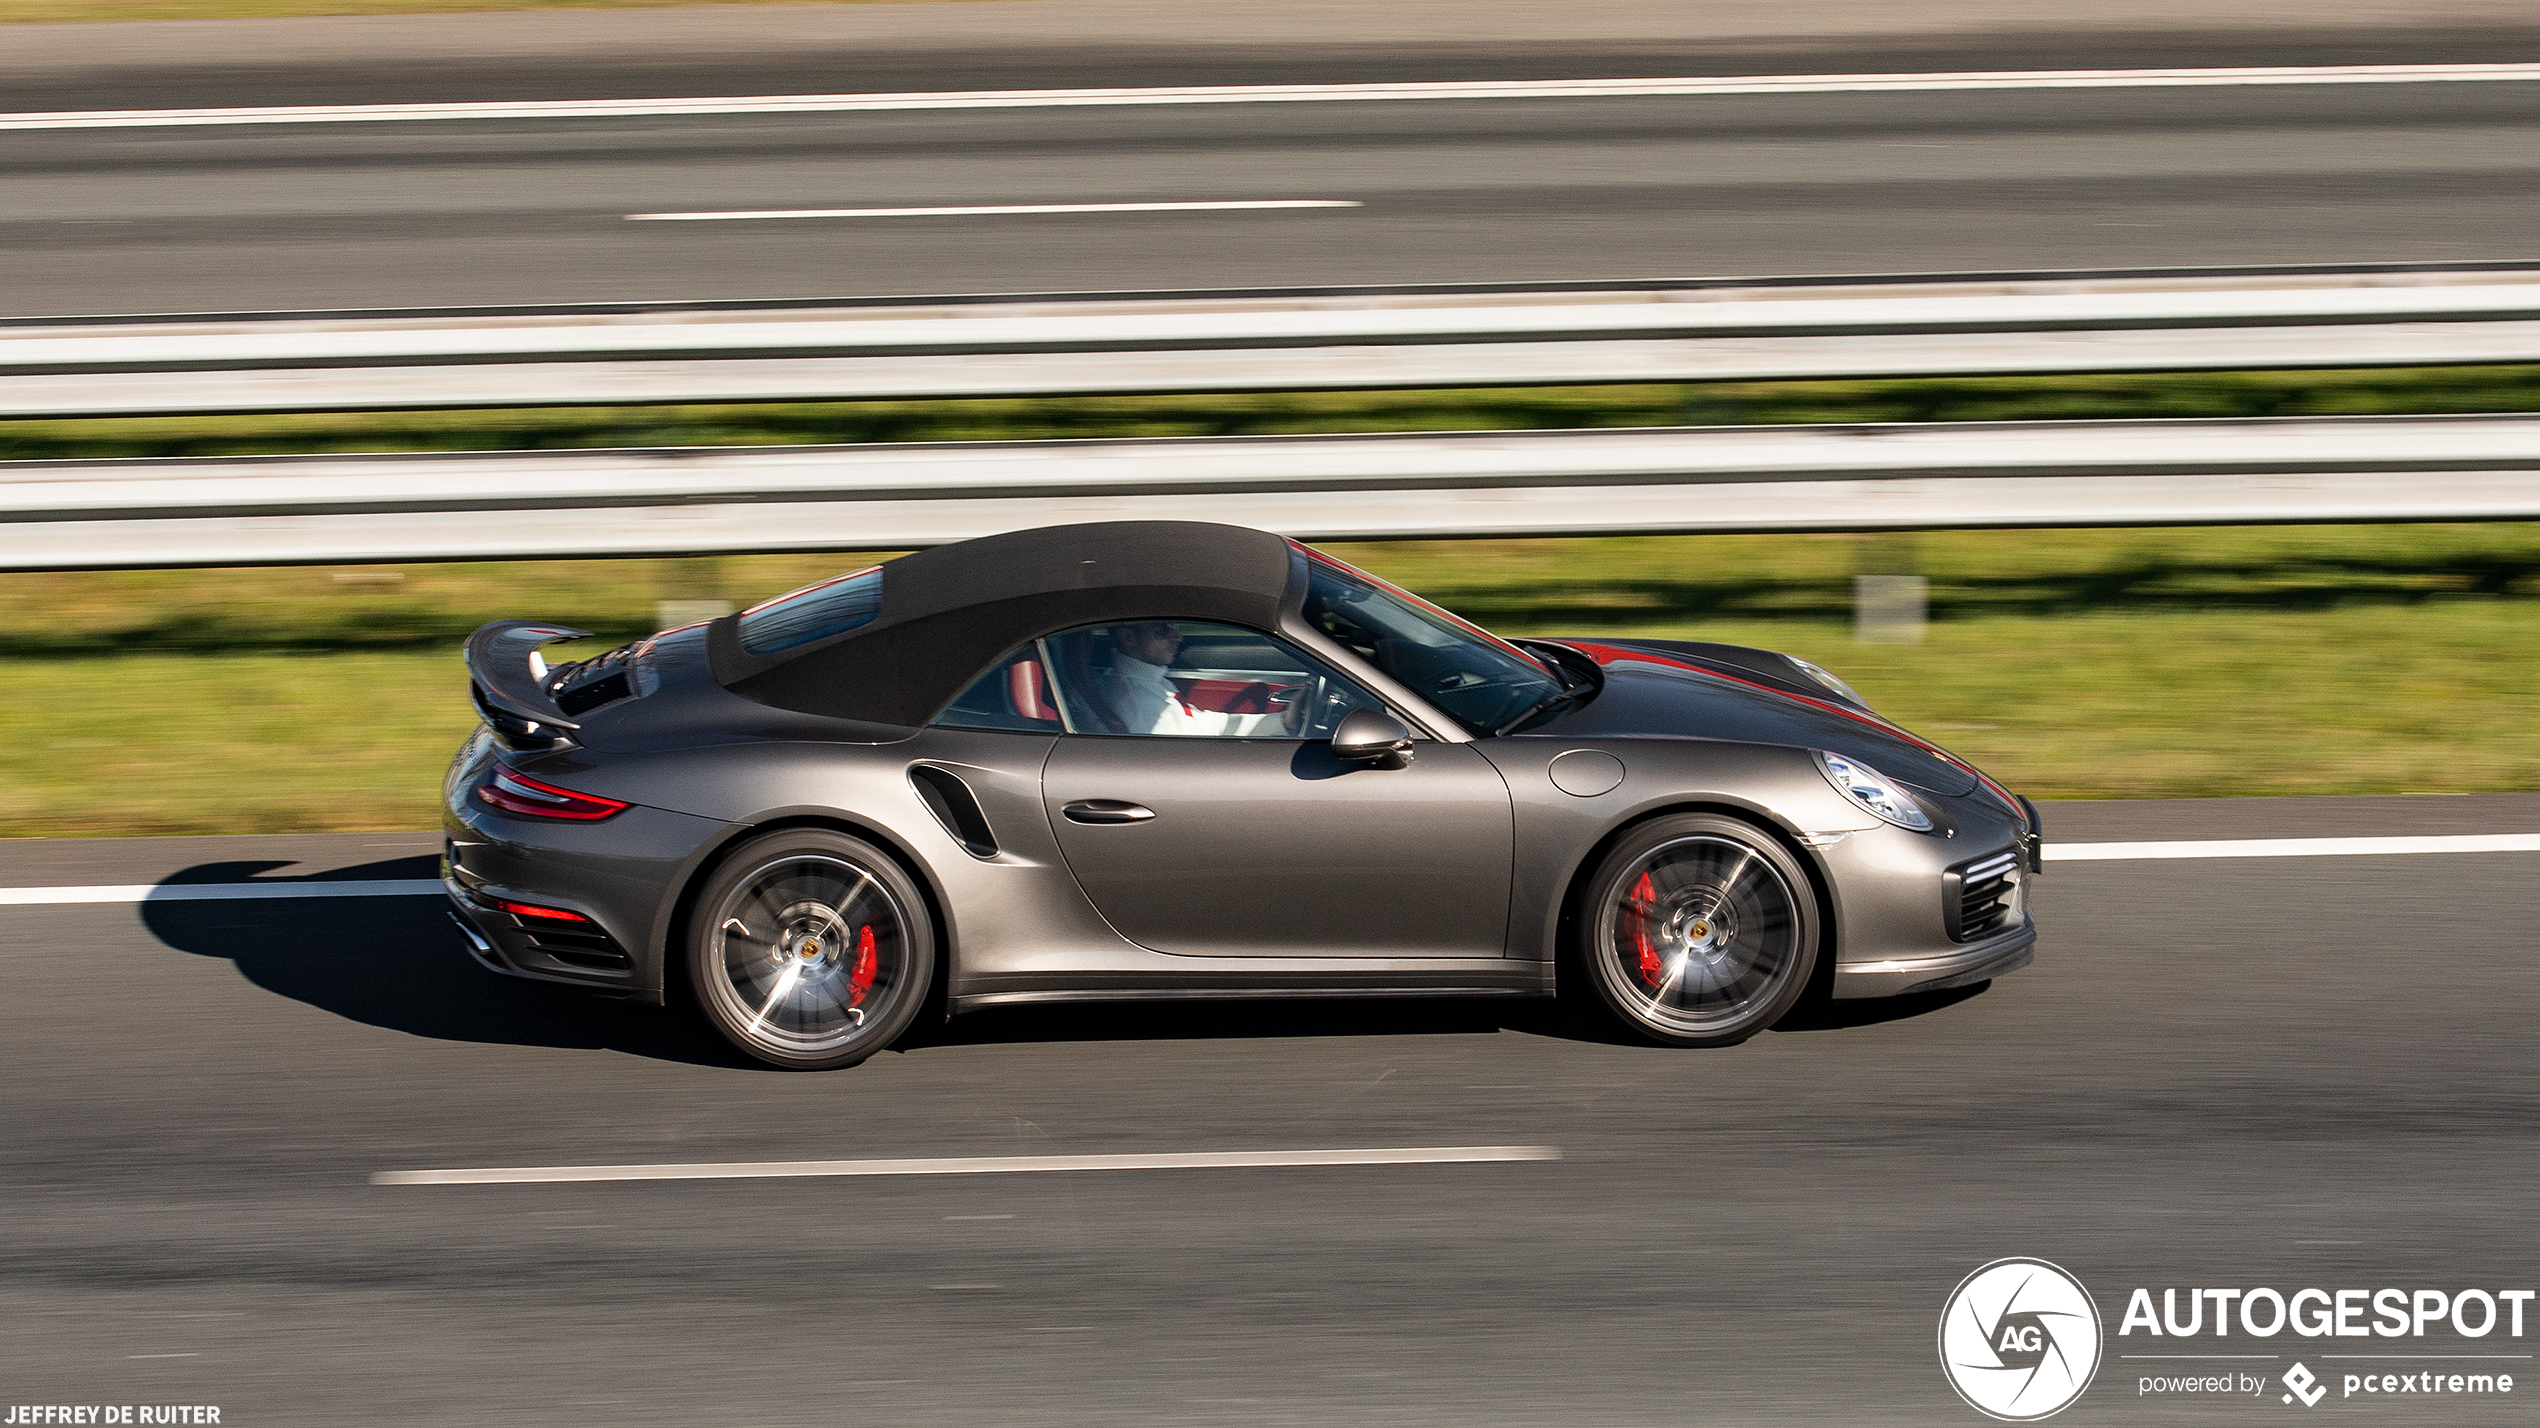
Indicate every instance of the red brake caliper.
{"type": "Point", "coordinates": [1643, 900]}
{"type": "Point", "coordinates": [860, 977]}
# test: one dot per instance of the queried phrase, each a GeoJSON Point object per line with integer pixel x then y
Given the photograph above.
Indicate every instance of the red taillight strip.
{"type": "Point", "coordinates": [523, 909]}
{"type": "Point", "coordinates": [515, 792]}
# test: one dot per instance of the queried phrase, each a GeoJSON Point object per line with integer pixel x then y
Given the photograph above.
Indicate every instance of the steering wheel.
{"type": "Point", "coordinates": [1305, 707]}
{"type": "Point", "coordinates": [1316, 707]}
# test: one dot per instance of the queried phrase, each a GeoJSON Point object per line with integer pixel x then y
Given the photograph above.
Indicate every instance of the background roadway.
{"type": "Point", "coordinates": [527, 212]}
{"type": "Point", "coordinates": [2289, 1072]}
{"type": "Point", "coordinates": [2284, 1071]}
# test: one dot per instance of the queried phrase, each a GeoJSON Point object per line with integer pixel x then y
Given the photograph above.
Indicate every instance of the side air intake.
{"type": "Point", "coordinates": [950, 800]}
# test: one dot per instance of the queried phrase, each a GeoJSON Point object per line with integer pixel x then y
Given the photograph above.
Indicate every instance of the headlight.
{"type": "Point", "coordinates": [1870, 789]}
{"type": "Point", "coordinates": [1828, 680]}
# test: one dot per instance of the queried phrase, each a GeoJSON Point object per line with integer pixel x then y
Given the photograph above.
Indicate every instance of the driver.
{"type": "Point", "coordinates": [1142, 698]}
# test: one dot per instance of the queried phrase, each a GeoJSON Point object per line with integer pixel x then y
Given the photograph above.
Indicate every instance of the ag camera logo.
{"type": "Point", "coordinates": [2019, 1340]}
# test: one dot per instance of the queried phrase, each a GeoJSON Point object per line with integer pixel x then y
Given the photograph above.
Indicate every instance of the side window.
{"type": "Point", "coordinates": [1195, 680]}
{"type": "Point", "coordinates": [1014, 694]}
{"type": "Point", "coordinates": [814, 612]}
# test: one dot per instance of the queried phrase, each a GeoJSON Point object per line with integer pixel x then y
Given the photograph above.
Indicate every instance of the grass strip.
{"type": "Point", "coordinates": [2109, 664]}
{"type": "Point", "coordinates": [2368, 392]}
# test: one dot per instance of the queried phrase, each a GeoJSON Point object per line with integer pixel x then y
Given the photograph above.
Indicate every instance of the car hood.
{"type": "Point", "coordinates": [1649, 693]}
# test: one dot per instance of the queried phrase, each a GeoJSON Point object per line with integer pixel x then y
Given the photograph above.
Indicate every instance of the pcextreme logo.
{"type": "Point", "coordinates": [2019, 1340]}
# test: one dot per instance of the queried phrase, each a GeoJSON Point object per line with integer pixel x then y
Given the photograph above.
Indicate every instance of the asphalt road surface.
{"type": "Point", "coordinates": [2286, 1072]}
{"type": "Point", "coordinates": [371, 215]}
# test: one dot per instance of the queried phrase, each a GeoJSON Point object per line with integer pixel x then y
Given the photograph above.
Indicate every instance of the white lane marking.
{"type": "Point", "coordinates": [2055, 853]}
{"type": "Point", "coordinates": [984, 209]}
{"type": "Point", "coordinates": [2295, 847]}
{"type": "Point", "coordinates": [1285, 94]}
{"type": "Point", "coordinates": [989, 1165]}
{"type": "Point", "coordinates": [217, 892]}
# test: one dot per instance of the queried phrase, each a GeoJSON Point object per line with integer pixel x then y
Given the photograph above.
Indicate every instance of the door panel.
{"type": "Point", "coordinates": [1273, 848]}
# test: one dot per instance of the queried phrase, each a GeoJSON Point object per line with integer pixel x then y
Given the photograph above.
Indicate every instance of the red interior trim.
{"type": "Point", "coordinates": [1027, 689]}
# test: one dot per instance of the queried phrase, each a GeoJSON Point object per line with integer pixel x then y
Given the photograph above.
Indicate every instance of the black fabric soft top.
{"type": "Point", "coordinates": [948, 612]}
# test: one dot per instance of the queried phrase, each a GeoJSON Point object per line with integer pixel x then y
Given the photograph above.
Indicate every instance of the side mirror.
{"type": "Point", "coordinates": [1372, 736]}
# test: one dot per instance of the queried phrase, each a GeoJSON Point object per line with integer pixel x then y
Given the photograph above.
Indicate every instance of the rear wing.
{"type": "Point", "coordinates": [507, 679]}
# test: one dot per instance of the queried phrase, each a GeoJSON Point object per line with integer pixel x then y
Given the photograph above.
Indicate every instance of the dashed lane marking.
{"type": "Point", "coordinates": [990, 210]}
{"type": "Point", "coordinates": [989, 1165]}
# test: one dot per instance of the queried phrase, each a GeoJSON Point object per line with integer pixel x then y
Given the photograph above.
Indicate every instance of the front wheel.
{"type": "Point", "coordinates": [810, 950]}
{"type": "Point", "coordinates": [1699, 931]}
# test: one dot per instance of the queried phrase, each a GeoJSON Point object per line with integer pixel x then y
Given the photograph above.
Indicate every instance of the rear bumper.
{"type": "Point", "coordinates": [615, 880]}
{"type": "Point", "coordinates": [1964, 966]}
{"type": "Point", "coordinates": [502, 942]}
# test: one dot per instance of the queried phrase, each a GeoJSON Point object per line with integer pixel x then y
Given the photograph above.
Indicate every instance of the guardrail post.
{"type": "Point", "coordinates": [1889, 605]}
{"type": "Point", "coordinates": [692, 590]}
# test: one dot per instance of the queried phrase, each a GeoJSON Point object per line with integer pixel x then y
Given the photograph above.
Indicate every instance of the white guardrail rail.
{"type": "Point", "coordinates": [331, 509]}
{"type": "Point", "coordinates": [1265, 341]}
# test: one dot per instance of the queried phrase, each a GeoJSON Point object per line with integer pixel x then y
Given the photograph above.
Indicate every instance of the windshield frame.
{"type": "Point", "coordinates": [1447, 621]}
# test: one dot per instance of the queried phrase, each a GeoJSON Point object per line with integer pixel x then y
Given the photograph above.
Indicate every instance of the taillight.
{"type": "Point", "coordinates": [516, 792]}
{"type": "Point", "coordinates": [524, 909]}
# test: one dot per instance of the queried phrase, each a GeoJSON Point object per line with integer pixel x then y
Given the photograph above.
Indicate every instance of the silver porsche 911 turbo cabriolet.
{"type": "Point", "coordinates": [1149, 760]}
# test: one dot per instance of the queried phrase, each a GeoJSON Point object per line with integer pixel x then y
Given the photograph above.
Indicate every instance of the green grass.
{"type": "Point", "coordinates": [2434, 390]}
{"type": "Point", "coordinates": [2184, 663]}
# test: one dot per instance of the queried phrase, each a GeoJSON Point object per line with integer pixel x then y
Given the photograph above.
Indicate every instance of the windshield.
{"type": "Point", "coordinates": [1480, 679]}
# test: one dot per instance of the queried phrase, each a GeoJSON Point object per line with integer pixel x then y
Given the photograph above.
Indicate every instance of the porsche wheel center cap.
{"type": "Point", "coordinates": [803, 937]}
{"type": "Point", "coordinates": [1701, 936]}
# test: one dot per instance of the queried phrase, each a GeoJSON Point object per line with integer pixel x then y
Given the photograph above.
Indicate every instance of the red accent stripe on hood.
{"type": "Point", "coordinates": [1607, 654]}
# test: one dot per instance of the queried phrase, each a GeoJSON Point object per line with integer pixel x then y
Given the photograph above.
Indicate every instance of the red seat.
{"type": "Point", "coordinates": [1028, 687]}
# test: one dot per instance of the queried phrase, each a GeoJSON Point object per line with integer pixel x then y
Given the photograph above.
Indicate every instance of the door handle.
{"type": "Point", "coordinates": [1106, 810]}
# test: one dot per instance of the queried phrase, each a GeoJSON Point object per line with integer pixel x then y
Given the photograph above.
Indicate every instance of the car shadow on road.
{"type": "Point", "coordinates": [1424, 1016]}
{"type": "Point", "coordinates": [1826, 1014]}
{"type": "Point", "coordinates": [1249, 1018]}
{"type": "Point", "coordinates": [398, 963]}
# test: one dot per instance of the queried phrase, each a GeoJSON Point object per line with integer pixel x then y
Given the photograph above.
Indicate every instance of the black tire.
{"type": "Point", "coordinates": [810, 950]}
{"type": "Point", "coordinates": [1698, 931]}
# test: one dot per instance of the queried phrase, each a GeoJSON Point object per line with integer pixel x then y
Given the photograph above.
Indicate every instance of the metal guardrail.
{"type": "Point", "coordinates": [1294, 340]}
{"type": "Point", "coordinates": [331, 509]}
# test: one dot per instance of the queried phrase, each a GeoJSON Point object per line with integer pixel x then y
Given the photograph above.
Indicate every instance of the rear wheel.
{"type": "Point", "coordinates": [1699, 931]}
{"type": "Point", "coordinates": [810, 950]}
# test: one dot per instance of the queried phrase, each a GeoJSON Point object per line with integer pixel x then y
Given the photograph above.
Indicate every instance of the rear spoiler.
{"type": "Point", "coordinates": [507, 678]}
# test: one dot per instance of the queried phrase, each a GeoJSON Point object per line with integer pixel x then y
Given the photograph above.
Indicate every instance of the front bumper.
{"type": "Point", "coordinates": [1982, 961]}
{"type": "Point", "coordinates": [1922, 912]}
